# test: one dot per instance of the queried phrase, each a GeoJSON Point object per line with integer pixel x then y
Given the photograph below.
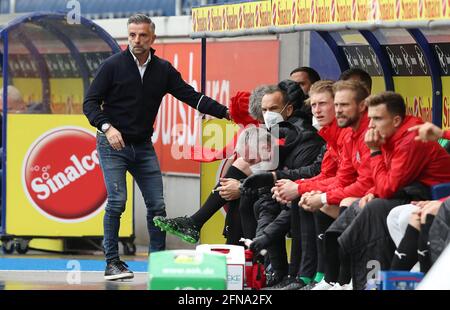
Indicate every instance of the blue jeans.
{"type": "Point", "coordinates": [141, 161]}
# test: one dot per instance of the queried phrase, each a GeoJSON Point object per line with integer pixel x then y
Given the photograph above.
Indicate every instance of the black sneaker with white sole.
{"type": "Point", "coordinates": [294, 285]}
{"type": "Point", "coordinates": [116, 270]}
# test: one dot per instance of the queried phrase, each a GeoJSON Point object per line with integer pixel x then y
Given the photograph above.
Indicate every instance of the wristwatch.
{"type": "Point", "coordinates": [105, 127]}
{"type": "Point", "coordinates": [227, 115]}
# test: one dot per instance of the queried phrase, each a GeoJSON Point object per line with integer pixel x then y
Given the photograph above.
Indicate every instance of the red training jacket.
{"type": "Point", "coordinates": [404, 161]}
{"type": "Point", "coordinates": [335, 137]}
{"type": "Point", "coordinates": [354, 176]}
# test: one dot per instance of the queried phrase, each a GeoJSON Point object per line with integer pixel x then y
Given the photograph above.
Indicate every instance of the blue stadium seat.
{"type": "Point", "coordinates": [102, 8]}
{"type": "Point", "coordinates": [170, 8]}
{"type": "Point", "coordinates": [119, 14]}
{"type": "Point", "coordinates": [154, 7]}
{"type": "Point", "coordinates": [107, 15]}
{"type": "Point", "coordinates": [128, 7]}
{"type": "Point", "coordinates": [85, 6]}
{"type": "Point", "coordinates": [22, 6]}
{"type": "Point", "coordinates": [118, 6]}
{"type": "Point", "coordinates": [56, 5]}
{"type": "Point", "coordinates": [38, 5]}
{"type": "Point", "coordinates": [440, 191]}
{"type": "Point", "coordinates": [187, 6]}
{"type": "Point", "coordinates": [4, 6]}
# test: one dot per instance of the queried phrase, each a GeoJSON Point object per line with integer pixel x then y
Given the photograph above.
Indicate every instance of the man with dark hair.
{"type": "Point", "coordinates": [298, 155]}
{"type": "Point", "coordinates": [359, 75]}
{"type": "Point", "coordinates": [393, 102]}
{"type": "Point", "coordinates": [402, 169]}
{"type": "Point", "coordinates": [122, 103]}
{"type": "Point", "coordinates": [305, 77]}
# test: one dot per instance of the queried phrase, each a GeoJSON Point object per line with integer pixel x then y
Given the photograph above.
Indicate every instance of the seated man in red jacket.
{"type": "Point", "coordinates": [353, 176]}
{"type": "Point", "coordinates": [286, 191]}
{"type": "Point", "coordinates": [402, 169]}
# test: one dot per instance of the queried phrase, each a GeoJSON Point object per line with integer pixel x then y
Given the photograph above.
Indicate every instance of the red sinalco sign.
{"type": "Point", "coordinates": [62, 176]}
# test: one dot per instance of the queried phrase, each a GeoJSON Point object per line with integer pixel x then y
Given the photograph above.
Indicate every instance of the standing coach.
{"type": "Point", "coordinates": [122, 103]}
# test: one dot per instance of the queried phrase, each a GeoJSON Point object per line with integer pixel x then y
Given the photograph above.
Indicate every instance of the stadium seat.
{"type": "Point", "coordinates": [101, 8]}
{"type": "Point", "coordinates": [440, 191]}
{"type": "Point", "coordinates": [4, 7]}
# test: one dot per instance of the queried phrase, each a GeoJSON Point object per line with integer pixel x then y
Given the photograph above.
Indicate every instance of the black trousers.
{"type": "Point", "coordinates": [266, 211]}
{"type": "Point", "coordinates": [367, 240]}
{"type": "Point", "coordinates": [233, 226]}
{"type": "Point", "coordinates": [247, 216]}
{"type": "Point", "coordinates": [294, 264]}
{"type": "Point", "coordinates": [308, 261]}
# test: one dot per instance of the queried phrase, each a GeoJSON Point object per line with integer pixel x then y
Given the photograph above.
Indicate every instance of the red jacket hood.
{"type": "Point", "coordinates": [402, 132]}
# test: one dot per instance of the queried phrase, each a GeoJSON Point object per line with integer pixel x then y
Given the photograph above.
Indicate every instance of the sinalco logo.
{"type": "Point", "coordinates": [61, 175]}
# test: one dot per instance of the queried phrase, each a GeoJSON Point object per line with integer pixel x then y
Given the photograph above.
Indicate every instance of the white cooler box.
{"type": "Point", "coordinates": [235, 257]}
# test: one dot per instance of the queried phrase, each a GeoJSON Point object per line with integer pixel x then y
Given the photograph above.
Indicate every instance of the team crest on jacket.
{"type": "Point", "coordinates": [358, 157]}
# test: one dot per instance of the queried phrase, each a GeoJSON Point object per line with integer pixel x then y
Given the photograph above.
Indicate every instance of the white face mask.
{"type": "Point", "coordinates": [272, 118]}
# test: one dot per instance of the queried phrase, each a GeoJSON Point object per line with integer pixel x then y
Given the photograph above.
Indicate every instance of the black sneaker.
{"type": "Point", "coordinates": [285, 282]}
{"type": "Point", "coordinates": [182, 227]}
{"type": "Point", "coordinates": [294, 285]}
{"type": "Point", "coordinates": [116, 270]}
{"type": "Point", "coordinates": [273, 280]}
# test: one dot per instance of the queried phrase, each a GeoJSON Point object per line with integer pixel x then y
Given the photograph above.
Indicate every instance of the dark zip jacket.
{"type": "Point", "coordinates": [301, 149]}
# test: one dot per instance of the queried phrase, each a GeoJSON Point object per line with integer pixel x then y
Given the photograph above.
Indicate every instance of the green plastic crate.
{"type": "Point", "coordinates": [187, 269]}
